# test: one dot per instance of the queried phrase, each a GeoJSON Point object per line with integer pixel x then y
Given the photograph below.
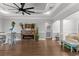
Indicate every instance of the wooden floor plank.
{"type": "Point", "coordinates": [34, 48]}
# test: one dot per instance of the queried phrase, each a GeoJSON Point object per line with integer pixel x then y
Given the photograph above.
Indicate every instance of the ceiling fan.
{"type": "Point", "coordinates": [21, 8]}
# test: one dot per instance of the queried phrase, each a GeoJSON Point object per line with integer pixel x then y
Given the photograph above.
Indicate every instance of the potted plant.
{"type": "Point", "coordinates": [37, 36]}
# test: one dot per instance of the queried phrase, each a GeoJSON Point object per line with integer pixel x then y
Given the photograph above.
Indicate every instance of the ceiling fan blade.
{"type": "Point", "coordinates": [38, 12]}
{"type": "Point", "coordinates": [10, 6]}
{"type": "Point", "coordinates": [12, 9]}
{"type": "Point", "coordinates": [16, 5]}
{"type": "Point", "coordinates": [23, 13]}
{"type": "Point", "coordinates": [22, 5]}
{"type": "Point", "coordinates": [31, 11]}
{"type": "Point", "coordinates": [30, 8]}
{"type": "Point", "coordinates": [18, 12]}
{"type": "Point", "coordinates": [27, 13]}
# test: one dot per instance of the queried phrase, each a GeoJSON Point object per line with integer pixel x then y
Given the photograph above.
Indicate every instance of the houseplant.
{"type": "Point", "coordinates": [37, 35]}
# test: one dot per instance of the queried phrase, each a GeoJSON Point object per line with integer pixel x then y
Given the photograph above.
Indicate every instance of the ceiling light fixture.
{"type": "Point", "coordinates": [47, 13]}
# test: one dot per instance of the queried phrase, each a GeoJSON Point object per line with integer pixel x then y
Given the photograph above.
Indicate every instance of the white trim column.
{"type": "Point", "coordinates": [61, 30]}
{"type": "Point", "coordinates": [51, 29]}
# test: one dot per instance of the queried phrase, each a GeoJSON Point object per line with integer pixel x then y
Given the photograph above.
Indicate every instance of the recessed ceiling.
{"type": "Point", "coordinates": [39, 8]}
{"type": "Point", "coordinates": [53, 11]}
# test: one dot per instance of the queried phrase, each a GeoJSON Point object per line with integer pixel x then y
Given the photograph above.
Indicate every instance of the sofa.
{"type": "Point", "coordinates": [71, 42]}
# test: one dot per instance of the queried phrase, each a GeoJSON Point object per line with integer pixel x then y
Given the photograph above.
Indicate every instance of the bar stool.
{"type": "Point", "coordinates": [12, 38]}
{"type": "Point", "coordinates": [77, 48]}
{"type": "Point", "coordinates": [2, 37]}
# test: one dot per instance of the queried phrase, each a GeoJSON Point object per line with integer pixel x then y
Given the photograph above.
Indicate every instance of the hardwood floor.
{"type": "Point", "coordinates": [33, 48]}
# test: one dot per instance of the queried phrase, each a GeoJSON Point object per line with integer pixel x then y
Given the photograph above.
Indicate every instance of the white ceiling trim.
{"type": "Point", "coordinates": [59, 9]}
{"type": "Point", "coordinates": [55, 8]}
{"type": "Point", "coordinates": [72, 8]}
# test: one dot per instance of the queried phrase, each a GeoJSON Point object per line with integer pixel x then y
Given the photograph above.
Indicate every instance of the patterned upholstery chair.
{"type": "Point", "coordinates": [71, 42]}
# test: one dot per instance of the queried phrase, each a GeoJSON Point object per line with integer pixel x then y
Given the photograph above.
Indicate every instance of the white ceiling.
{"type": "Point", "coordinates": [54, 11]}
{"type": "Point", "coordinates": [65, 12]}
{"type": "Point", "coordinates": [39, 8]}
{"type": "Point", "coordinates": [74, 16]}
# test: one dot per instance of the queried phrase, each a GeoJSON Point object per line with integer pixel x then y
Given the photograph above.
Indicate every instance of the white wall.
{"type": "Point", "coordinates": [69, 26]}
{"type": "Point", "coordinates": [56, 27]}
{"type": "Point", "coordinates": [40, 23]}
{"type": "Point", "coordinates": [72, 21]}
{"type": "Point", "coordinates": [1, 24]}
